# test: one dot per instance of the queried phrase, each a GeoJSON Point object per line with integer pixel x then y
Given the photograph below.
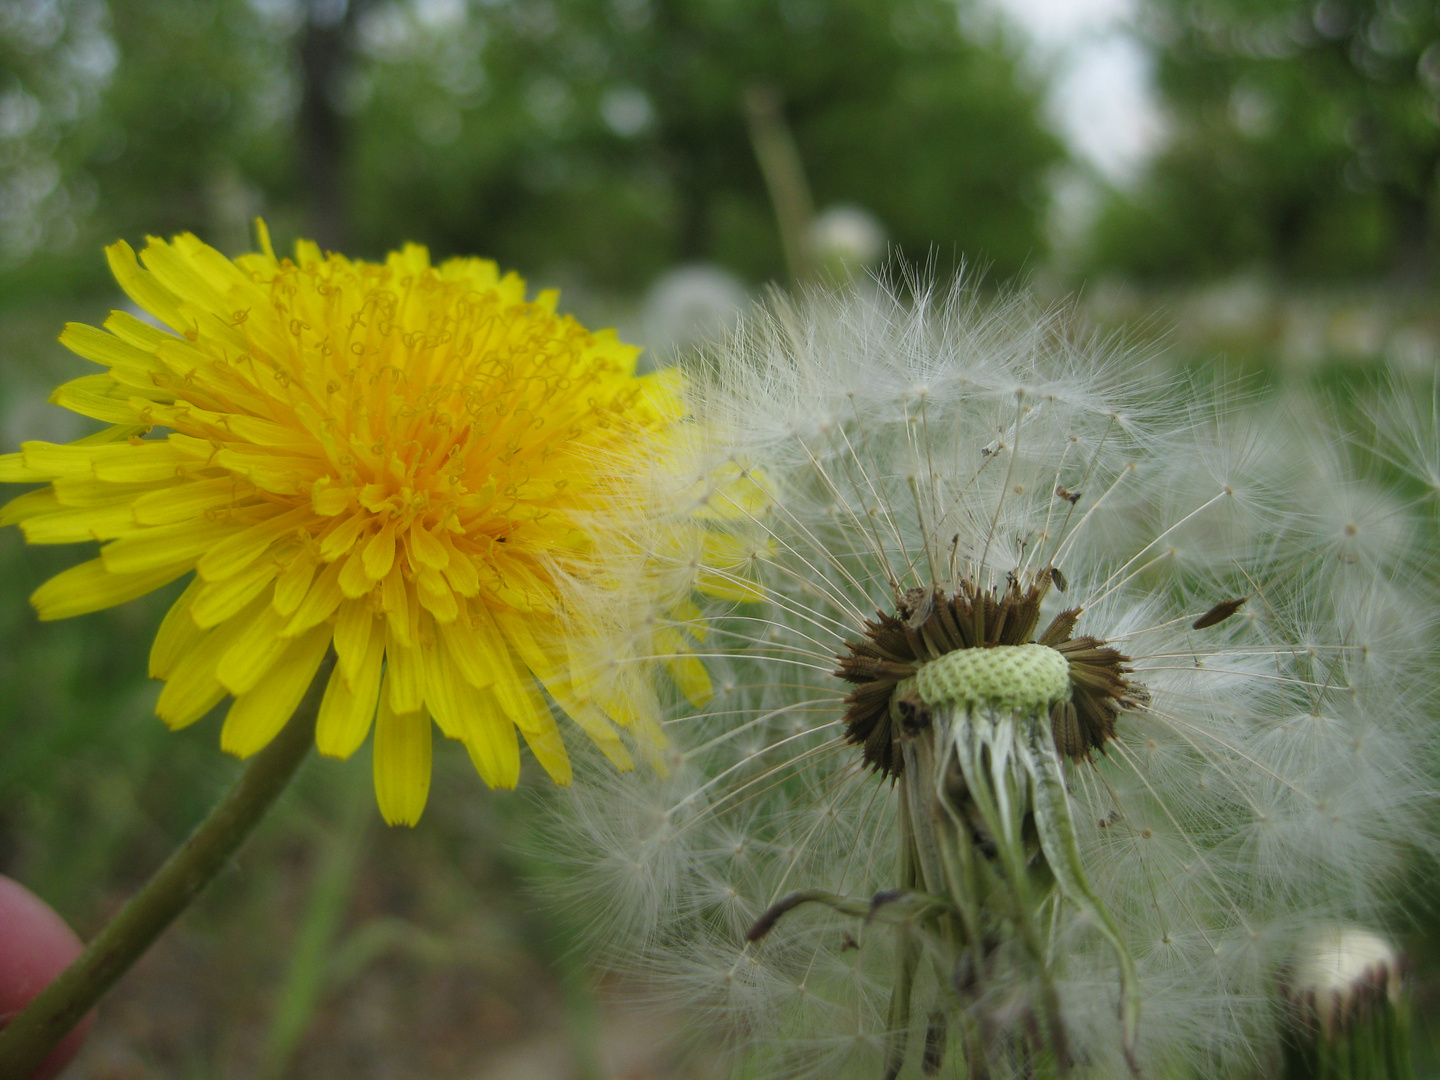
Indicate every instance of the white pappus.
{"type": "Point", "coordinates": [887, 845]}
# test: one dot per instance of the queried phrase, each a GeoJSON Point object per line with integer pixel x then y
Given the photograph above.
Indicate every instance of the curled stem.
{"type": "Point", "coordinates": [31, 1035]}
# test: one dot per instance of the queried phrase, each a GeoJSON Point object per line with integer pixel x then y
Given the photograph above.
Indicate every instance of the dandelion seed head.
{"type": "Point", "coordinates": [1259, 770]}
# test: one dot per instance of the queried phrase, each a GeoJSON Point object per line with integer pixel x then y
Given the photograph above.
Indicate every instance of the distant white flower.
{"type": "Point", "coordinates": [690, 306]}
{"type": "Point", "coordinates": [1074, 700]}
{"type": "Point", "coordinates": [846, 239]}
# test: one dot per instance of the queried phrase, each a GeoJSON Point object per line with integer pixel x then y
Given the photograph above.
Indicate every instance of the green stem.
{"type": "Point", "coordinates": [30, 1037]}
{"type": "Point", "coordinates": [784, 175]}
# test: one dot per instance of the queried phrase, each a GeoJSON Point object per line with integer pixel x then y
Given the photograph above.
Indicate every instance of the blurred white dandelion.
{"type": "Point", "coordinates": [849, 871]}
{"type": "Point", "coordinates": [691, 305]}
{"type": "Point", "coordinates": [846, 239]}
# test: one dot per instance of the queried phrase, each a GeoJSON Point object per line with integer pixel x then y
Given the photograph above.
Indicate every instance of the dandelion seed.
{"type": "Point", "coordinates": [413, 464]}
{"type": "Point", "coordinates": [1119, 716]}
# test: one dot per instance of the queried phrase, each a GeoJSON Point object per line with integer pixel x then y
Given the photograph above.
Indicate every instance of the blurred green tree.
{"type": "Point", "coordinates": [147, 118]}
{"type": "Point", "coordinates": [1305, 140]}
{"type": "Point", "coordinates": [605, 137]}
{"type": "Point", "coordinates": [611, 134]}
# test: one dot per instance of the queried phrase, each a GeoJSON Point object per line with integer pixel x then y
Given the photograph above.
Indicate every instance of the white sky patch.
{"type": "Point", "coordinates": [1100, 92]}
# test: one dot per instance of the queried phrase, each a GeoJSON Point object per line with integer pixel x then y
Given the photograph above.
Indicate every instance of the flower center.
{"type": "Point", "coordinates": [974, 646]}
{"type": "Point", "coordinates": [1025, 678]}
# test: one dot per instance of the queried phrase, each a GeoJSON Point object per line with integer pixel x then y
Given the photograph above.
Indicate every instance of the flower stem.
{"type": "Point", "coordinates": [784, 175]}
{"type": "Point", "coordinates": [29, 1037]}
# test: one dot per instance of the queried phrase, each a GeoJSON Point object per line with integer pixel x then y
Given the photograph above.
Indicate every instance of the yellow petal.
{"type": "Point", "coordinates": [513, 686]}
{"type": "Point", "coordinates": [341, 537]}
{"type": "Point", "coordinates": [283, 475]}
{"type": "Point", "coordinates": [142, 288]}
{"type": "Point", "coordinates": [515, 632]}
{"type": "Point", "coordinates": [219, 600]}
{"type": "Point", "coordinates": [152, 459]}
{"type": "Point", "coordinates": [687, 613]}
{"type": "Point", "coordinates": [329, 501]}
{"type": "Point", "coordinates": [175, 273]}
{"type": "Point", "coordinates": [92, 586]}
{"type": "Point", "coordinates": [186, 697]}
{"type": "Point", "coordinates": [256, 716]}
{"type": "Point", "coordinates": [521, 585]}
{"type": "Point", "coordinates": [26, 506]}
{"type": "Point", "coordinates": [354, 582]}
{"type": "Point", "coordinates": [399, 604]}
{"type": "Point", "coordinates": [349, 703]}
{"type": "Point", "coordinates": [460, 571]}
{"type": "Point", "coordinates": [402, 763]}
{"type": "Point", "coordinates": [380, 552]}
{"type": "Point", "coordinates": [692, 679]}
{"type": "Point", "coordinates": [79, 491]}
{"type": "Point", "coordinates": [165, 547]}
{"type": "Point", "coordinates": [180, 357]}
{"type": "Point", "coordinates": [294, 581]}
{"type": "Point", "coordinates": [240, 549]}
{"type": "Point", "coordinates": [467, 652]}
{"type": "Point", "coordinates": [404, 678]}
{"type": "Point", "coordinates": [354, 628]}
{"type": "Point", "coordinates": [257, 647]}
{"type": "Point", "coordinates": [70, 526]}
{"type": "Point", "coordinates": [110, 350]}
{"type": "Point", "coordinates": [50, 461]}
{"type": "Point", "coordinates": [191, 688]}
{"type": "Point", "coordinates": [451, 701]}
{"type": "Point", "coordinates": [689, 674]}
{"type": "Point", "coordinates": [262, 236]}
{"type": "Point", "coordinates": [425, 549]}
{"type": "Point", "coordinates": [132, 331]}
{"type": "Point", "coordinates": [726, 570]}
{"type": "Point", "coordinates": [189, 500]}
{"type": "Point", "coordinates": [262, 432]}
{"type": "Point", "coordinates": [591, 719]}
{"type": "Point", "coordinates": [14, 470]}
{"type": "Point", "coordinates": [322, 599]}
{"type": "Point", "coordinates": [436, 596]}
{"type": "Point", "coordinates": [734, 493]}
{"type": "Point", "coordinates": [494, 749]}
{"type": "Point", "coordinates": [177, 635]}
{"type": "Point", "coordinates": [99, 397]}
{"type": "Point", "coordinates": [548, 747]}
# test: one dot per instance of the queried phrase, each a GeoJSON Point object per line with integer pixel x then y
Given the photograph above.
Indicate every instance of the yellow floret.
{"type": "Point", "coordinates": [412, 463]}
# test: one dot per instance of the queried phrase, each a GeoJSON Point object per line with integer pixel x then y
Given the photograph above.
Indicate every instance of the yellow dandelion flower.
{"type": "Point", "coordinates": [412, 463]}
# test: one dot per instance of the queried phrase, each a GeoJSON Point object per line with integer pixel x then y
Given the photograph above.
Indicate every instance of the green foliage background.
{"type": "Point", "coordinates": [602, 136]}
{"type": "Point", "coordinates": [1305, 139]}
